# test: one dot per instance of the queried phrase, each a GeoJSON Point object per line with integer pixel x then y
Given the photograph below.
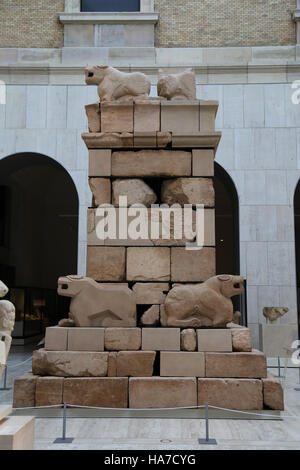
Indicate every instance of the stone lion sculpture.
{"type": "Point", "coordinates": [273, 313]}
{"type": "Point", "coordinates": [7, 321]}
{"type": "Point", "coordinates": [207, 304]}
{"type": "Point", "coordinates": [177, 86]}
{"type": "Point", "coordinates": [94, 304]}
{"type": "Point", "coordinates": [114, 85]}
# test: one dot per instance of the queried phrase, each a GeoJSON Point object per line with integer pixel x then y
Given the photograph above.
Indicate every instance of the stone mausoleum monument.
{"type": "Point", "coordinates": [152, 325]}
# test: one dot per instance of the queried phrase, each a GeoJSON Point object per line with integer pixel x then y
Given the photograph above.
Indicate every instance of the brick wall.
{"type": "Point", "coordinates": [30, 23]}
{"type": "Point", "coordinates": [221, 23]}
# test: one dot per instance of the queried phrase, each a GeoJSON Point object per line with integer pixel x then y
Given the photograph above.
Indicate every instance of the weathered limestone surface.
{"type": "Point", "coordinates": [161, 339]}
{"type": "Point", "coordinates": [180, 117]}
{"type": "Point", "coordinates": [99, 140]}
{"type": "Point", "coordinates": [188, 340]}
{"type": "Point", "coordinates": [93, 115]}
{"type": "Point", "coordinates": [96, 304]}
{"type": "Point", "coordinates": [162, 392]}
{"type": "Point", "coordinates": [24, 391]}
{"type": "Point", "coordinates": [107, 392]}
{"type": "Point", "coordinates": [112, 364]}
{"type": "Point", "coordinates": [101, 190]}
{"type": "Point", "coordinates": [122, 339]}
{"type": "Point", "coordinates": [148, 264]}
{"type": "Point", "coordinates": [163, 139]}
{"type": "Point", "coordinates": [86, 339]}
{"type": "Point", "coordinates": [56, 338]}
{"type": "Point", "coordinates": [203, 162]}
{"type": "Point", "coordinates": [235, 394]}
{"type": "Point", "coordinates": [188, 191]}
{"type": "Point", "coordinates": [273, 393]}
{"type": "Point", "coordinates": [208, 111]}
{"type": "Point", "coordinates": [100, 162]}
{"type": "Point", "coordinates": [116, 117]}
{"type": "Point", "coordinates": [135, 364]}
{"type": "Point", "coordinates": [144, 140]}
{"type": "Point", "coordinates": [147, 116]}
{"type": "Point", "coordinates": [49, 391]}
{"type": "Point", "coordinates": [275, 339]}
{"type": "Point", "coordinates": [151, 163]}
{"type": "Point", "coordinates": [136, 191]}
{"type": "Point", "coordinates": [214, 340]}
{"type": "Point", "coordinates": [182, 364]}
{"type": "Point", "coordinates": [241, 339]}
{"type": "Point", "coordinates": [150, 293]}
{"type": "Point", "coordinates": [236, 365]}
{"type": "Point", "coordinates": [151, 316]}
{"type": "Point", "coordinates": [191, 265]}
{"type": "Point", "coordinates": [105, 263]}
{"type": "Point", "coordinates": [69, 363]}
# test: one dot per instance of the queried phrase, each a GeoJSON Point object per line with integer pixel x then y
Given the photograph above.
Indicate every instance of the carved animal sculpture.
{"type": "Point", "coordinates": [114, 85]}
{"type": "Point", "coordinates": [94, 304]}
{"type": "Point", "coordinates": [7, 321]}
{"type": "Point", "coordinates": [273, 313]}
{"type": "Point", "coordinates": [207, 304]}
{"type": "Point", "coordinates": [177, 86]}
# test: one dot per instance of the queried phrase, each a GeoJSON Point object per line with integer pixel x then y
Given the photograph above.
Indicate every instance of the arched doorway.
{"type": "Point", "coordinates": [297, 243]}
{"type": "Point", "coordinates": [38, 238]}
{"type": "Point", "coordinates": [227, 230]}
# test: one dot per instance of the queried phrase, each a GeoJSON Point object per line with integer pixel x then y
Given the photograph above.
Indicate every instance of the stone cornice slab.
{"type": "Point", "coordinates": [108, 18]}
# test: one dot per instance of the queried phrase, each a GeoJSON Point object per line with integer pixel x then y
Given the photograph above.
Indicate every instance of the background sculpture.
{"type": "Point", "coordinates": [7, 321]}
{"type": "Point", "coordinates": [273, 313]}
{"type": "Point", "coordinates": [207, 304]}
{"type": "Point", "coordinates": [176, 86]}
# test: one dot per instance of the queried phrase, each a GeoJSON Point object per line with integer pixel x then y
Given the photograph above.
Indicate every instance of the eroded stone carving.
{"type": "Point", "coordinates": [114, 85]}
{"type": "Point", "coordinates": [7, 321]}
{"type": "Point", "coordinates": [177, 86]}
{"type": "Point", "coordinates": [207, 304]}
{"type": "Point", "coordinates": [273, 313]}
{"type": "Point", "coordinates": [96, 304]}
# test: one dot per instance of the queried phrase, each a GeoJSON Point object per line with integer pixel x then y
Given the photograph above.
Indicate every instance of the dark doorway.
{"type": "Point", "coordinates": [38, 238]}
{"type": "Point", "coordinates": [297, 243]}
{"type": "Point", "coordinates": [110, 5]}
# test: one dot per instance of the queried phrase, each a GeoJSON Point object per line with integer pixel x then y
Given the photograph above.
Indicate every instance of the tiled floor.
{"type": "Point", "coordinates": [165, 434]}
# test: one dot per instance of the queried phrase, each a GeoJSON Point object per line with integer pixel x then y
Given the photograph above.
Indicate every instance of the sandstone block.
{"type": "Point", "coordinates": [161, 339]}
{"type": "Point", "coordinates": [203, 162]}
{"type": "Point", "coordinates": [100, 162]}
{"type": "Point", "coordinates": [162, 392]}
{"type": "Point", "coordinates": [163, 139]}
{"type": "Point", "coordinates": [49, 391]}
{"type": "Point", "coordinates": [101, 191]}
{"type": "Point", "coordinates": [105, 263]}
{"type": "Point", "coordinates": [24, 391]}
{"type": "Point", "coordinates": [273, 393]}
{"type": "Point", "coordinates": [151, 163]}
{"type": "Point", "coordinates": [56, 338]}
{"type": "Point", "coordinates": [112, 364]}
{"type": "Point", "coordinates": [116, 117]}
{"type": "Point", "coordinates": [234, 394]}
{"type": "Point", "coordinates": [69, 363]}
{"type": "Point", "coordinates": [136, 191]}
{"type": "Point", "coordinates": [241, 339]}
{"type": "Point", "coordinates": [182, 364]}
{"type": "Point", "coordinates": [93, 115]}
{"type": "Point", "coordinates": [104, 392]}
{"type": "Point", "coordinates": [196, 139]}
{"type": "Point", "coordinates": [188, 340]}
{"type": "Point", "coordinates": [135, 364]}
{"type": "Point", "coordinates": [188, 191]}
{"type": "Point", "coordinates": [147, 116]}
{"type": "Point", "coordinates": [148, 264]}
{"type": "Point", "coordinates": [180, 116]}
{"type": "Point", "coordinates": [86, 339]}
{"type": "Point", "coordinates": [144, 139]}
{"type": "Point", "coordinates": [236, 365]}
{"type": "Point", "coordinates": [150, 293]}
{"type": "Point", "coordinates": [208, 111]}
{"type": "Point", "coordinates": [104, 140]}
{"type": "Point", "coordinates": [214, 340]}
{"type": "Point", "coordinates": [192, 265]}
{"type": "Point", "coordinates": [151, 316]}
{"type": "Point", "coordinates": [122, 339]}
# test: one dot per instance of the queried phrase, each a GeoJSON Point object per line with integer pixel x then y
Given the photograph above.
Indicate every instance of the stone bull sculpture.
{"type": "Point", "coordinates": [208, 304]}
{"type": "Point", "coordinates": [7, 321]}
{"type": "Point", "coordinates": [114, 85]}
